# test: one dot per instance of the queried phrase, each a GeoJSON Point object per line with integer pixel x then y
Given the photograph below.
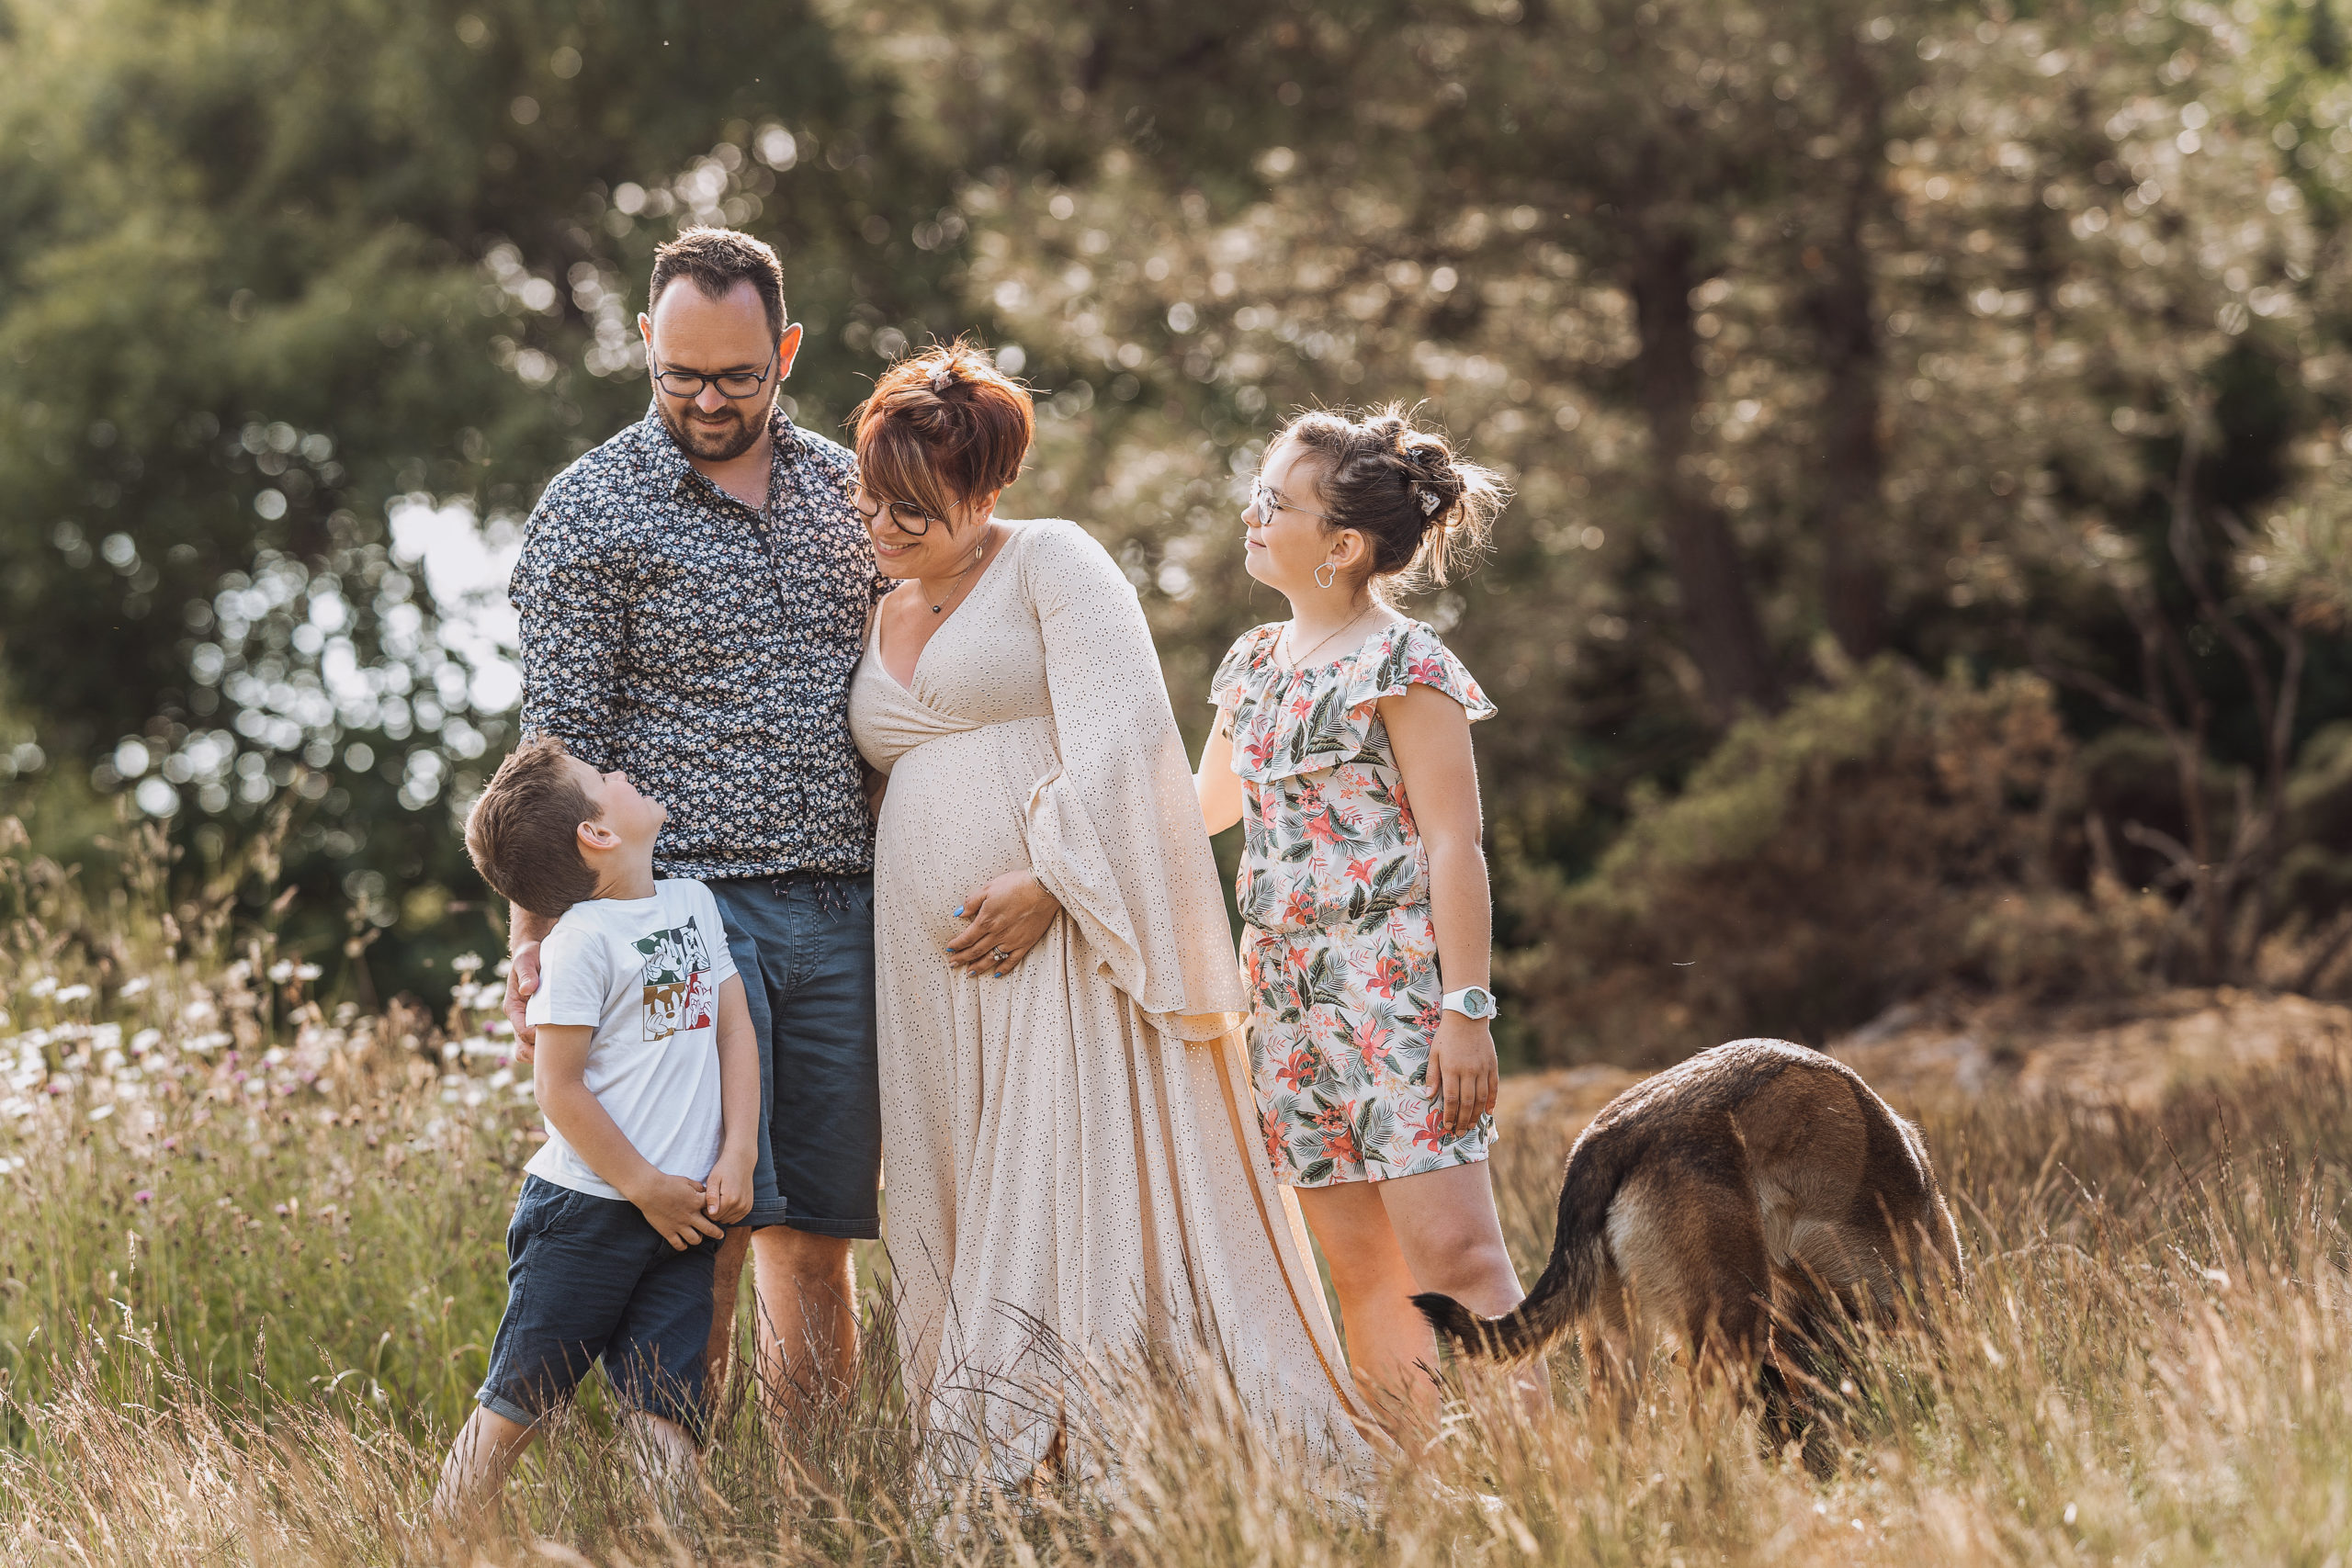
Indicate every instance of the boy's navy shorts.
{"type": "Point", "coordinates": [587, 1279]}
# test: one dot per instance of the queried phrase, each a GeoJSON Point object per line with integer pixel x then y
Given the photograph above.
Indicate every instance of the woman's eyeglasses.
{"type": "Point", "coordinates": [909, 520]}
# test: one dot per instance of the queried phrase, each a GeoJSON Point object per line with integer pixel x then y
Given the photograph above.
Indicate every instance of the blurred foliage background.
{"type": "Point", "coordinates": [1929, 566]}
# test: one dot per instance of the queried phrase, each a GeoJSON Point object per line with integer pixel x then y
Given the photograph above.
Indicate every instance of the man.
{"type": "Point", "coordinates": [693, 596]}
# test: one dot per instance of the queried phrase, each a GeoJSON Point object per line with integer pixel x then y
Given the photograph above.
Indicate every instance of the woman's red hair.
{"type": "Point", "coordinates": [942, 426]}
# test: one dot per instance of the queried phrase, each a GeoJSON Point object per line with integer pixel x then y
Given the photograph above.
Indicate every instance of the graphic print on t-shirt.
{"type": "Point", "coordinates": [677, 981]}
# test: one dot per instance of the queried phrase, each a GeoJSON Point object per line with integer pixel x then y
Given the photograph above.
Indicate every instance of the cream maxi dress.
{"type": "Point", "coordinates": [1071, 1161]}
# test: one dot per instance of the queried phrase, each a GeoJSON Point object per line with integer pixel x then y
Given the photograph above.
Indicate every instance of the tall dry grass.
{"type": "Point", "coordinates": [251, 1258]}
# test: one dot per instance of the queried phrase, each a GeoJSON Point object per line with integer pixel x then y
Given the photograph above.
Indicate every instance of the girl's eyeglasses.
{"type": "Point", "coordinates": [1267, 503]}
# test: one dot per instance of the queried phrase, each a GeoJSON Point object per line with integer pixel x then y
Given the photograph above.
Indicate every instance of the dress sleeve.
{"type": "Point", "coordinates": [571, 611]}
{"type": "Point", "coordinates": [1232, 675]}
{"type": "Point", "coordinates": [1115, 830]}
{"type": "Point", "coordinates": [1333, 721]}
{"type": "Point", "coordinates": [1417, 659]}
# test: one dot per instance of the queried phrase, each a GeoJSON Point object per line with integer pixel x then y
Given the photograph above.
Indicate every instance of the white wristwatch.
{"type": "Point", "coordinates": [1471, 1001]}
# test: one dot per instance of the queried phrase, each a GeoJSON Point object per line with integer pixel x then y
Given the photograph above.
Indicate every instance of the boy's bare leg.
{"type": "Point", "coordinates": [664, 1455]}
{"type": "Point", "coordinates": [718, 1355]}
{"type": "Point", "coordinates": [808, 1318]}
{"type": "Point", "coordinates": [665, 1459]}
{"type": "Point", "coordinates": [479, 1462]}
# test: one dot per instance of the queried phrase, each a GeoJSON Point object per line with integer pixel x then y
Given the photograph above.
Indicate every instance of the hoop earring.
{"type": "Point", "coordinates": [1321, 580]}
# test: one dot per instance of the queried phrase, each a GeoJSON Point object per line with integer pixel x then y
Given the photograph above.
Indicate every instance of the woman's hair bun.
{"type": "Point", "coordinates": [943, 425]}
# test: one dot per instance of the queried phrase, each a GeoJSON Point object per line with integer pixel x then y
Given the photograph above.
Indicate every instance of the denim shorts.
{"type": "Point", "coordinates": [804, 946]}
{"type": "Point", "coordinates": [588, 1280]}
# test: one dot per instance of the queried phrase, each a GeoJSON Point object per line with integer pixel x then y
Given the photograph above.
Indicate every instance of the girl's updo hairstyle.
{"type": "Point", "coordinates": [1425, 512]}
{"type": "Point", "coordinates": [942, 426]}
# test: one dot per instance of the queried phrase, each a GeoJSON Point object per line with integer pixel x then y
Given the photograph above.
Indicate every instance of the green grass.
{"type": "Point", "coordinates": [250, 1264]}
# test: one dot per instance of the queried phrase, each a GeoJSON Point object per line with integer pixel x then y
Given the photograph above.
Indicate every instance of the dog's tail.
{"type": "Point", "coordinates": [1569, 1282]}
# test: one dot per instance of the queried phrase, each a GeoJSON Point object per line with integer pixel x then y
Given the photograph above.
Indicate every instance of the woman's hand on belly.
{"type": "Point", "coordinates": [1008, 917]}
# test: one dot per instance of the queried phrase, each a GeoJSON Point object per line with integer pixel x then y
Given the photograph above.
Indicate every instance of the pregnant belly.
{"type": "Point", "coordinates": [954, 818]}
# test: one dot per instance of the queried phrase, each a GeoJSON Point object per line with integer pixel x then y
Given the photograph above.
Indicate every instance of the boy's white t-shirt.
{"type": "Point", "coordinates": [645, 974]}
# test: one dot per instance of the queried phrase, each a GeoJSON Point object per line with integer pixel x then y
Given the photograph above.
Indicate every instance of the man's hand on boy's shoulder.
{"type": "Point", "coordinates": [522, 980]}
{"type": "Point", "coordinates": [674, 1205]}
{"type": "Point", "coordinates": [524, 930]}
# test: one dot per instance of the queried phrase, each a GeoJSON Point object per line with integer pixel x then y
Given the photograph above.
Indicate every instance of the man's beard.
{"type": "Point", "coordinates": [715, 446]}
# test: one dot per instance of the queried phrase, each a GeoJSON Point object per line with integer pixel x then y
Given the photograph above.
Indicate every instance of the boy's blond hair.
{"type": "Point", "coordinates": [524, 831]}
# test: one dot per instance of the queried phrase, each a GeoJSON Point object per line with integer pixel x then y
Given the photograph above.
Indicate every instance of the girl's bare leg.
{"type": "Point", "coordinates": [1390, 1347]}
{"type": "Point", "coordinates": [1452, 1240]}
{"type": "Point", "coordinates": [1386, 1241]}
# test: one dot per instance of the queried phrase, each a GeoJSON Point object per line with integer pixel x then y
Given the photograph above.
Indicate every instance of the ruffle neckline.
{"type": "Point", "coordinates": [1287, 722]}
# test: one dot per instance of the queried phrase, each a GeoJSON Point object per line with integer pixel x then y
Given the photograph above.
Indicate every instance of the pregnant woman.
{"type": "Point", "coordinates": [1066, 1104]}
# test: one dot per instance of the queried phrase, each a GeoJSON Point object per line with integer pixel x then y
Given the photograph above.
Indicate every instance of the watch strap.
{"type": "Point", "coordinates": [1454, 1001]}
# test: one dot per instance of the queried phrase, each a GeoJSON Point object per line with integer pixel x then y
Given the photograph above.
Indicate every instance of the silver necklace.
{"type": "Point", "coordinates": [1299, 661]}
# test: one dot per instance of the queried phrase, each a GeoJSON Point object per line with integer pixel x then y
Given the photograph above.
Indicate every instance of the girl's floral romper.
{"type": "Point", "coordinates": [1340, 952]}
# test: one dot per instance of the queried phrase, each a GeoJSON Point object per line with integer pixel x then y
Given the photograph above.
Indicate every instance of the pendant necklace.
{"type": "Point", "coordinates": [978, 552]}
{"type": "Point", "coordinates": [1300, 661]}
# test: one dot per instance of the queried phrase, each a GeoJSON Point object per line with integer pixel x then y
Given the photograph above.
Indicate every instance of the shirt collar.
{"type": "Point", "coordinates": [670, 464]}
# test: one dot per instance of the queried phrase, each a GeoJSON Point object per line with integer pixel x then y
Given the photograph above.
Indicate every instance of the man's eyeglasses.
{"type": "Point", "coordinates": [1267, 503]}
{"type": "Point", "coordinates": [909, 520]}
{"type": "Point", "coordinates": [736, 384]}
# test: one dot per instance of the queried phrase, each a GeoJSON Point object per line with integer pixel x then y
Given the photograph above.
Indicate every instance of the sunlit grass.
{"type": "Point", "coordinates": [251, 1257]}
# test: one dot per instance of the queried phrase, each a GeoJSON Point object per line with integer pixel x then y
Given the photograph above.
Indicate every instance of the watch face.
{"type": "Point", "coordinates": [1475, 1001]}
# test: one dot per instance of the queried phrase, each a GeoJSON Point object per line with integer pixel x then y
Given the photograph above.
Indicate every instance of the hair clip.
{"type": "Point", "coordinates": [942, 378]}
{"type": "Point", "coordinates": [1429, 503]}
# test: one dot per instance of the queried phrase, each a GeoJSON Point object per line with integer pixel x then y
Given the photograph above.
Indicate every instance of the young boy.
{"type": "Point", "coordinates": [649, 1080]}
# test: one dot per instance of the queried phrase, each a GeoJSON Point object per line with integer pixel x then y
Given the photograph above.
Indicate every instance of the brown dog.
{"type": "Point", "coordinates": [1756, 1185]}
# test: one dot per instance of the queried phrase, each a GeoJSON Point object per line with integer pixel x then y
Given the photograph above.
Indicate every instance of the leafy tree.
{"type": "Point", "coordinates": [1808, 332]}
{"type": "Point", "coordinates": [269, 271]}
{"type": "Point", "coordinates": [1804, 329]}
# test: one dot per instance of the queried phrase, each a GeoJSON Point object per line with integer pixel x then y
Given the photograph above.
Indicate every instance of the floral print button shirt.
{"type": "Point", "coordinates": [706, 648]}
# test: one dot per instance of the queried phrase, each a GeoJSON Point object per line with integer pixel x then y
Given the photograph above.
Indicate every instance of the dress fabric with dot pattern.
{"type": "Point", "coordinates": [1070, 1147]}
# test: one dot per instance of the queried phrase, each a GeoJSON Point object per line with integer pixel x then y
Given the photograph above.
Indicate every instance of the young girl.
{"type": "Point", "coordinates": [1342, 741]}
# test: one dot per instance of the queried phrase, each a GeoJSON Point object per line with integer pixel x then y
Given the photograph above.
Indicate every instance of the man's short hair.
{"type": "Point", "coordinates": [715, 261]}
{"type": "Point", "coordinates": [524, 833]}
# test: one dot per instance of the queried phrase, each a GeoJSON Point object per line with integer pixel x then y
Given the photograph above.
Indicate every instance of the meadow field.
{"type": "Point", "coordinates": [251, 1254]}
{"type": "Point", "coordinates": [1922, 626]}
